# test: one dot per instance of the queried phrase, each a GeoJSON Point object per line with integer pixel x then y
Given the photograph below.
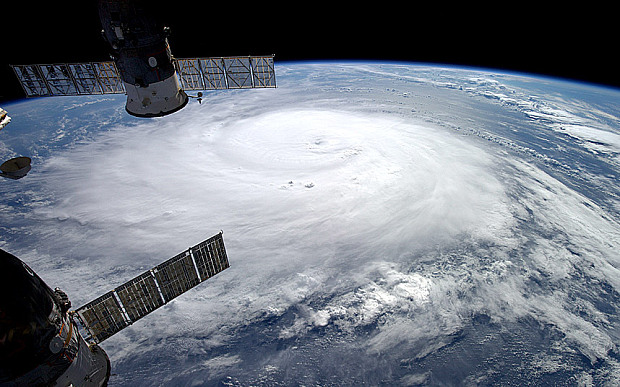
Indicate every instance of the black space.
{"type": "Point", "coordinates": [566, 42]}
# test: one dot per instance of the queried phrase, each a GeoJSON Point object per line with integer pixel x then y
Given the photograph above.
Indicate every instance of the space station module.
{"type": "Point", "coordinates": [142, 55]}
{"type": "Point", "coordinates": [40, 344]}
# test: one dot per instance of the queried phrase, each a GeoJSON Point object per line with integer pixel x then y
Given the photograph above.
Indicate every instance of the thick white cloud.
{"type": "Point", "coordinates": [303, 195]}
{"type": "Point", "coordinates": [302, 178]}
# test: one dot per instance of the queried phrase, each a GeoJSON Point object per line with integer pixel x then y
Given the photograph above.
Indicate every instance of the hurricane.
{"type": "Point", "coordinates": [386, 224]}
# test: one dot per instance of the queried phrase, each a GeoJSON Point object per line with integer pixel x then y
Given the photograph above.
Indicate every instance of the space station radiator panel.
{"type": "Point", "coordinates": [117, 309]}
{"type": "Point", "coordinates": [92, 78]}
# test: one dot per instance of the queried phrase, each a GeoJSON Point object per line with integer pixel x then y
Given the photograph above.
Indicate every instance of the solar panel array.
{"type": "Point", "coordinates": [115, 310]}
{"type": "Point", "coordinates": [239, 72]}
{"type": "Point", "coordinates": [40, 80]}
{"type": "Point", "coordinates": [103, 317]}
{"type": "Point", "coordinates": [236, 72]}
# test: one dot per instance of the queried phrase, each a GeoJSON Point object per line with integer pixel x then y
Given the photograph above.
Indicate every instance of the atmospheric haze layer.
{"type": "Point", "coordinates": [386, 224]}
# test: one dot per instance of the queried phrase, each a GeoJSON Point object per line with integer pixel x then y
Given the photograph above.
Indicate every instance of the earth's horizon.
{"type": "Point", "coordinates": [386, 224]}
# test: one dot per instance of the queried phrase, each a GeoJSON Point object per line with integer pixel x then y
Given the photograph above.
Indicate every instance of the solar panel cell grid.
{"type": "Point", "coordinates": [143, 294]}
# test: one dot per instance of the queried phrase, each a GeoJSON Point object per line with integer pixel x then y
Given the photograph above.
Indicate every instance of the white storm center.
{"type": "Point", "coordinates": [311, 175]}
{"type": "Point", "coordinates": [356, 173]}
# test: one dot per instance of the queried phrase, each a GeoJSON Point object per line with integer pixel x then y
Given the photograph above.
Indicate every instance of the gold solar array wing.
{"type": "Point", "coordinates": [115, 310]}
{"type": "Point", "coordinates": [232, 72]}
{"type": "Point", "coordinates": [43, 80]}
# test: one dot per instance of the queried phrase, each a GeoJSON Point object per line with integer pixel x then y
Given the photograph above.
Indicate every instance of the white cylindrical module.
{"type": "Point", "coordinates": [157, 99]}
{"type": "Point", "coordinates": [142, 56]}
{"type": "Point", "coordinates": [90, 366]}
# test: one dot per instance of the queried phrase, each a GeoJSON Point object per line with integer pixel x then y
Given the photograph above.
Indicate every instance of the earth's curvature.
{"type": "Point", "coordinates": [386, 224]}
